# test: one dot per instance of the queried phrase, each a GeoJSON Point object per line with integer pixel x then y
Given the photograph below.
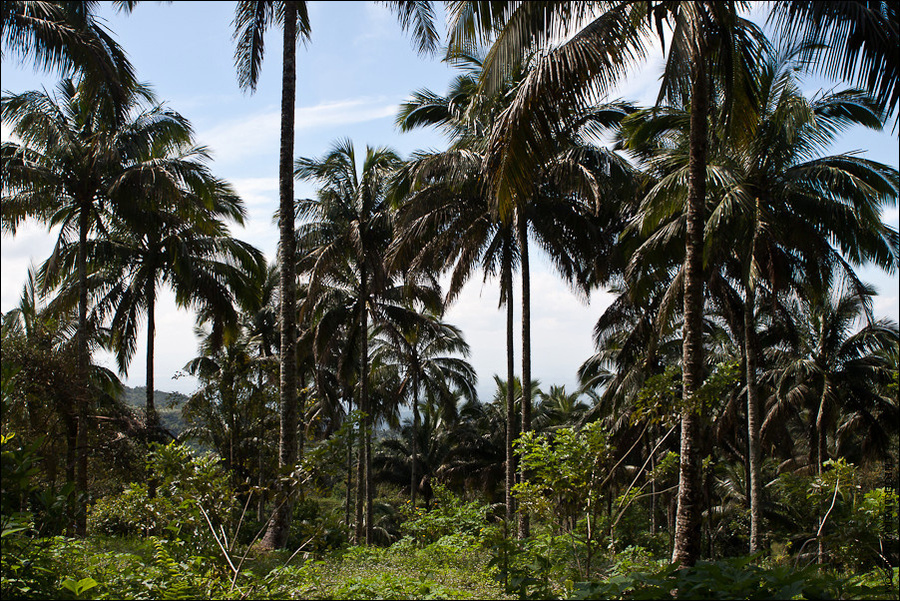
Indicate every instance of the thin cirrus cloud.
{"type": "Point", "coordinates": [241, 138]}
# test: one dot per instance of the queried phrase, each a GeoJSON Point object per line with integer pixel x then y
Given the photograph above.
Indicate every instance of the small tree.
{"type": "Point", "coordinates": [567, 473]}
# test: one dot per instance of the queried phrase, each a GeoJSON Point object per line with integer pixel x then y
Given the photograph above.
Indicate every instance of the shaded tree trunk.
{"type": "Point", "coordinates": [524, 526]}
{"type": "Point", "coordinates": [510, 392]}
{"type": "Point", "coordinates": [277, 533]}
{"type": "Point", "coordinates": [83, 386]}
{"type": "Point", "coordinates": [686, 548]}
{"type": "Point", "coordinates": [364, 400]}
{"type": "Point", "coordinates": [753, 419]}
{"type": "Point", "coordinates": [151, 416]}
{"type": "Point", "coordinates": [413, 485]}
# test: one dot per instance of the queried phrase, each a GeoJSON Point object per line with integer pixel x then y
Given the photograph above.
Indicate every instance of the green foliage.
{"type": "Point", "coordinates": [566, 474]}
{"type": "Point", "coordinates": [659, 396]}
{"type": "Point", "coordinates": [735, 578]}
{"type": "Point", "coordinates": [188, 486]}
{"type": "Point", "coordinates": [448, 515]}
{"type": "Point", "coordinates": [860, 524]}
{"type": "Point", "coordinates": [454, 567]}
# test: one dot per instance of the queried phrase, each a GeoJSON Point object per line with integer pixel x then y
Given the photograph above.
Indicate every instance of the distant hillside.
{"type": "Point", "coordinates": [168, 405]}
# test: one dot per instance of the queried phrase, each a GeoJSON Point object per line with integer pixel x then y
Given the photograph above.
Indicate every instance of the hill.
{"type": "Point", "coordinates": [168, 405]}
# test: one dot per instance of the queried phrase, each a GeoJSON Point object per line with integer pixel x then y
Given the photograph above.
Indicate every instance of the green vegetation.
{"type": "Point", "coordinates": [735, 434]}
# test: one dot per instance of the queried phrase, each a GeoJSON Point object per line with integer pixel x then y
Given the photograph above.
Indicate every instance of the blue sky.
{"type": "Point", "coordinates": [353, 73]}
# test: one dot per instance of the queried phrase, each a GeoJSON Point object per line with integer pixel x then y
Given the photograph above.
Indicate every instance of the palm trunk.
{"type": "Point", "coordinates": [526, 349]}
{"type": "Point", "coordinates": [364, 400]}
{"type": "Point", "coordinates": [753, 419]}
{"type": "Point", "coordinates": [277, 532]}
{"type": "Point", "coordinates": [349, 481]}
{"type": "Point", "coordinates": [360, 533]}
{"type": "Point", "coordinates": [349, 469]}
{"type": "Point", "coordinates": [413, 485]}
{"type": "Point", "coordinates": [510, 390]}
{"type": "Point", "coordinates": [686, 549]}
{"type": "Point", "coordinates": [821, 445]}
{"type": "Point", "coordinates": [152, 419]}
{"type": "Point", "coordinates": [83, 388]}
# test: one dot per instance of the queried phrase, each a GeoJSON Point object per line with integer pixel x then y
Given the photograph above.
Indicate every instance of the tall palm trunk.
{"type": "Point", "coordinates": [151, 416]}
{"type": "Point", "coordinates": [526, 348]}
{"type": "Point", "coordinates": [686, 548]}
{"type": "Point", "coordinates": [415, 437]}
{"type": "Point", "coordinates": [83, 387]}
{"type": "Point", "coordinates": [364, 402]}
{"type": "Point", "coordinates": [277, 532]}
{"type": "Point", "coordinates": [360, 532]}
{"type": "Point", "coordinates": [350, 441]}
{"type": "Point", "coordinates": [753, 418]}
{"type": "Point", "coordinates": [510, 389]}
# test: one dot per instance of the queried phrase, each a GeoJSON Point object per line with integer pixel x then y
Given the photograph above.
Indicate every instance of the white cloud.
{"type": "Point", "coordinates": [175, 345]}
{"type": "Point", "coordinates": [887, 306]}
{"type": "Point", "coordinates": [258, 134]}
{"type": "Point", "coordinates": [561, 329]}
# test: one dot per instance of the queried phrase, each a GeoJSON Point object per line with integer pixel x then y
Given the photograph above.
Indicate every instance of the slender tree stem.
{"type": "Point", "coordinates": [686, 549]}
{"type": "Point", "coordinates": [276, 535]}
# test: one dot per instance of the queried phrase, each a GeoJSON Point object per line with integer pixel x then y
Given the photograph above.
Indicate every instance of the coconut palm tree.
{"type": "Point", "coordinates": [345, 233]}
{"type": "Point", "coordinates": [855, 41]}
{"type": "Point", "coordinates": [709, 43]}
{"type": "Point", "coordinates": [420, 353]}
{"type": "Point", "coordinates": [171, 232]}
{"type": "Point", "coordinates": [67, 38]}
{"type": "Point", "coordinates": [252, 19]}
{"type": "Point", "coordinates": [76, 149]}
{"type": "Point", "coordinates": [835, 365]}
{"type": "Point", "coordinates": [779, 215]}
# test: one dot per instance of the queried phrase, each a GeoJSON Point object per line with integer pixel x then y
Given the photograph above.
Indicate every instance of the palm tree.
{"type": "Point", "coordinates": [171, 234]}
{"type": "Point", "coordinates": [833, 368]}
{"type": "Point", "coordinates": [833, 365]}
{"type": "Point", "coordinates": [559, 408]}
{"type": "Point", "coordinates": [419, 352]}
{"type": "Point", "coordinates": [856, 41]}
{"type": "Point", "coordinates": [67, 38]}
{"type": "Point", "coordinates": [345, 233]}
{"type": "Point", "coordinates": [252, 19]}
{"type": "Point", "coordinates": [76, 149]}
{"type": "Point", "coordinates": [230, 411]}
{"type": "Point", "coordinates": [709, 42]}
{"type": "Point", "coordinates": [778, 213]}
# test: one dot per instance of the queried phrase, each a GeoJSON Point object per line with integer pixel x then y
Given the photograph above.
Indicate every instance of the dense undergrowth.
{"type": "Point", "coordinates": [184, 542]}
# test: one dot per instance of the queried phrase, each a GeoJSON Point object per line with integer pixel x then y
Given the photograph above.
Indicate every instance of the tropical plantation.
{"type": "Point", "coordinates": [735, 433]}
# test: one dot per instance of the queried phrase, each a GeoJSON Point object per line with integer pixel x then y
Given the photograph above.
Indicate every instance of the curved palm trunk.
{"type": "Point", "coordinates": [753, 419]}
{"type": "Point", "coordinates": [526, 350]}
{"type": "Point", "coordinates": [277, 532]}
{"type": "Point", "coordinates": [510, 391]}
{"type": "Point", "coordinates": [686, 548]}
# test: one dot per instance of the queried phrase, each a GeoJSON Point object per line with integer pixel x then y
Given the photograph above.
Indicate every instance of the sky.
{"type": "Point", "coordinates": [352, 75]}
